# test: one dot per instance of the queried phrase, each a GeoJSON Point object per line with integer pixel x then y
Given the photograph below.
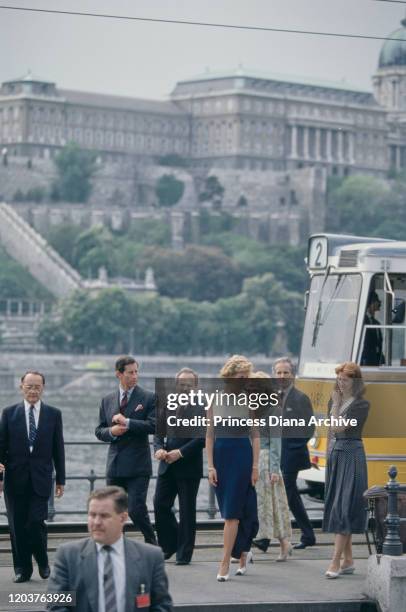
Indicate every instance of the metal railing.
{"type": "Point", "coordinates": [92, 477]}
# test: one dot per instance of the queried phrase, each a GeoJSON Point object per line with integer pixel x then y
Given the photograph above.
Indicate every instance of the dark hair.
{"type": "Point", "coordinates": [373, 297]}
{"type": "Point", "coordinates": [187, 371]}
{"type": "Point", "coordinates": [124, 361]}
{"type": "Point", "coordinates": [117, 494]}
{"type": "Point", "coordinates": [36, 374]}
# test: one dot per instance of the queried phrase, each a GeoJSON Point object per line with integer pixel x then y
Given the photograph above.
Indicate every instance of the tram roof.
{"type": "Point", "coordinates": [356, 252]}
{"type": "Point", "coordinates": [363, 256]}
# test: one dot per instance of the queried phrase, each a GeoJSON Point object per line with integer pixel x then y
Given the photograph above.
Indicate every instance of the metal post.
{"type": "Point", "coordinates": [92, 479]}
{"type": "Point", "coordinates": [392, 544]}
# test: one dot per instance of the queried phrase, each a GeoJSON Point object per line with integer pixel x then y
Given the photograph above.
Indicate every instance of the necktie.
{"type": "Point", "coordinates": [110, 602]}
{"type": "Point", "coordinates": [33, 428]}
{"type": "Point", "coordinates": [124, 402]}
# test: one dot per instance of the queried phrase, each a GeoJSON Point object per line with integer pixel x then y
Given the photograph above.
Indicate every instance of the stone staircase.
{"type": "Point", "coordinates": [30, 249]}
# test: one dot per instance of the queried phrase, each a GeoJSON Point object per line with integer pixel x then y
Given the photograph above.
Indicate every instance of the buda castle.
{"type": "Point", "coordinates": [237, 120]}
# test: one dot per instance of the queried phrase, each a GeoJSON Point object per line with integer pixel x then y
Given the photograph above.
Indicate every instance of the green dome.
{"type": "Point", "coordinates": [393, 52]}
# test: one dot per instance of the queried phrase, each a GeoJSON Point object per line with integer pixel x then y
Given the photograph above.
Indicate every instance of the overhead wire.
{"type": "Point", "coordinates": [392, 1]}
{"type": "Point", "coordinates": [198, 23]}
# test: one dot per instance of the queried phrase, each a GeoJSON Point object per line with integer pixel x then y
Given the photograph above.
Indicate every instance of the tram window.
{"type": "Point", "coordinates": [385, 344]}
{"type": "Point", "coordinates": [372, 352]}
{"type": "Point", "coordinates": [330, 319]}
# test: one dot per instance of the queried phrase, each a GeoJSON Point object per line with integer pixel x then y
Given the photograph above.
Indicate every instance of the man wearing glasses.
{"type": "Point", "coordinates": [31, 444]}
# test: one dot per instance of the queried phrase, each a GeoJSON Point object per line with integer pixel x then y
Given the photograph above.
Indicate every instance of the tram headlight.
{"type": "Point", "coordinates": [314, 441]}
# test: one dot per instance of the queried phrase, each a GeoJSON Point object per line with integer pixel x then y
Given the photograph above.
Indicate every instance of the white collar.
{"type": "Point", "coordinates": [128, 391]}
{"type": "Point", "coordinates": [27, 405]}
{"type": "Point", "coordinates": [118, 545]}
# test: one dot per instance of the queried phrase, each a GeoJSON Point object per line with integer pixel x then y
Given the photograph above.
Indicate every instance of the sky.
{"type": "Point", "coordinates": [145, 60]}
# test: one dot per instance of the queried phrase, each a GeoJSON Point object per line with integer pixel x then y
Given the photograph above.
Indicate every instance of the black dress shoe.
{"type": "Point", "coordinates": [182, 562]}
{"type": "Point", "coordinates": [44, 572]}
{"type": "Point", "coordinates": [302, 545]}
{"type": "Point", "coordinates": [262, 544]}
{"type": "Point", "coordinates": [168, 555]}
{"type": "Point", "coordinates": [22, 578]}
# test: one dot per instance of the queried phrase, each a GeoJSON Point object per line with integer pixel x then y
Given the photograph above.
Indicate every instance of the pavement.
{"type": "Point", "coordinates": [295, 586]}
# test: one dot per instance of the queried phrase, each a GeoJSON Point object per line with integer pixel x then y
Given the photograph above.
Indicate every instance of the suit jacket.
{"type": "Point", "coordinates": [48, 450]}
{"type": "Point", "coordinates": [294, 453]}
{"type": "Point", "coordinates": [75, 569]}
{"type": "Point", "coordinates": [358, 409]}
{"type": "Point", "coordinates": [129, 454]}
{"type": "Point", "coordinates": [372, 351]}
{"type": "Point", "coordinates": [190, 465]}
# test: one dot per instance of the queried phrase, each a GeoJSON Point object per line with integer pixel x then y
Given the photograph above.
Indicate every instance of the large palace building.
{"type": "Point", "coordinates": [235, 120]}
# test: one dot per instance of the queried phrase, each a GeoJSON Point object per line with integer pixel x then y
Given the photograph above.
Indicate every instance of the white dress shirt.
{"type": "Point", "coordinates": [37, 408]}
{"type": "Point", "coordinates": [118, 560]}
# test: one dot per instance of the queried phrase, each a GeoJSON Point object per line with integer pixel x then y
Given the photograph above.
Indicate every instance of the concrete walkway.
{"type": "Point", "coordinates": [299, 584]}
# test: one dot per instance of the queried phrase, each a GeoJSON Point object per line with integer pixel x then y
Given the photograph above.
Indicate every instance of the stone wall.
{"type": "Point", "coordinates": [279, 206]}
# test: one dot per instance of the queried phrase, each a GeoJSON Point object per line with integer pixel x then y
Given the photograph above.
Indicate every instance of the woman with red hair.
{"type": "Point", "coordinates": [346, 476]}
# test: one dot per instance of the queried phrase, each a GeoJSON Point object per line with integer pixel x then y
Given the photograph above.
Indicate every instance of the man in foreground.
{"type": "Point", "coordinates": [109, 572]}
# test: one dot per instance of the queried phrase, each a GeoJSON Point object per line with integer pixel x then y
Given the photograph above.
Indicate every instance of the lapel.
{"type": "Point", "coordinates": [344, 412]}
{"type": "Point", "coordinates": [134, 400]}
{"type": "Point", "coordinates": [289, 396]}
{"type": "Point", "coordinates": [42, 425]}
{"type": "Point", "coordinates": [90, 573]}
{"type": "Point", "coordinates": [114, 407]}
{"type": "Point", "coordinates": [132, 573]}
{"type": "Point", "coordinates": [22, 425]}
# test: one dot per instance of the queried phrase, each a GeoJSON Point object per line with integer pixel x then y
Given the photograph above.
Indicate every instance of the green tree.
{"type": "Point", "coordinates": [75, 168]}
{"type": "Point", "coordinates": [63, 239]}
{"type": "Point", "coordinates": [98, 323]}
{"type": "Point", "coordinates": [16, 282]}
{"type": "Point", "coordinates": [213, 191]}
{"type": "Point", "coordinates": [95, 248]}
{"type": "Point", "coordinates": [169, 190]}
{"type": "Point", "coordinates": [269, 305]}
{"type": "Point", "coordinates": [357, 205]}
{"type": "Point", "coordinates": [173, 160]}
{"type": "Point", "coordinates": [52, 335]}
{"type": "Point", "coordinates": [198, 273]}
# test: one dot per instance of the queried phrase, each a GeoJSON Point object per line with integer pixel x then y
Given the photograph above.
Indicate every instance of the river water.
{"type": "Point", "coordinates": [80, 417]}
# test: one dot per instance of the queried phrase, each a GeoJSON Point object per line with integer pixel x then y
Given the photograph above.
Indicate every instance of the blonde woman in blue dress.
{"type": "Point", "coordinates": [273, 509]}
{"type": "Point", "coordinates": [233, 471]}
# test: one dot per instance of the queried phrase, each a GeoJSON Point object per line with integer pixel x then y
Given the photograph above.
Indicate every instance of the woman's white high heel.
{"type": "Point", "coordinates": [223, 577]}
{"type": "Point", "coordinates": [243, 570]}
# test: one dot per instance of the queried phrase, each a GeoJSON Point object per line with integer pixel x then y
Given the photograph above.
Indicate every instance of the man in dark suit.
{"type": "Point", "coordinates": [31, 443]}
{"type": "Point", "coordinates": [179, 473]}
{"type": "Point", "coordinates": [372, 354]}
{"type": "Point", "coordinates": [106, 570]}
{"type": "Point", "coordinates": [126, 418]}
{"type": "Point", "coordinates": [294, 453]}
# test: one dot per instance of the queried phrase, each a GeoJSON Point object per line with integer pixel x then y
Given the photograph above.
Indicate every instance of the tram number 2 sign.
{"type": "Point", "coordinates": [318, 253]}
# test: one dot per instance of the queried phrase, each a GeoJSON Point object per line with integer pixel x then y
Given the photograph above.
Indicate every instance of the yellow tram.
{"type": "Point", "coordinates": [345, 271]}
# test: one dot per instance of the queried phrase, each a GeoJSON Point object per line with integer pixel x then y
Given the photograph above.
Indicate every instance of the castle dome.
{"type": "Point", "coordinates": [393, 52]}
